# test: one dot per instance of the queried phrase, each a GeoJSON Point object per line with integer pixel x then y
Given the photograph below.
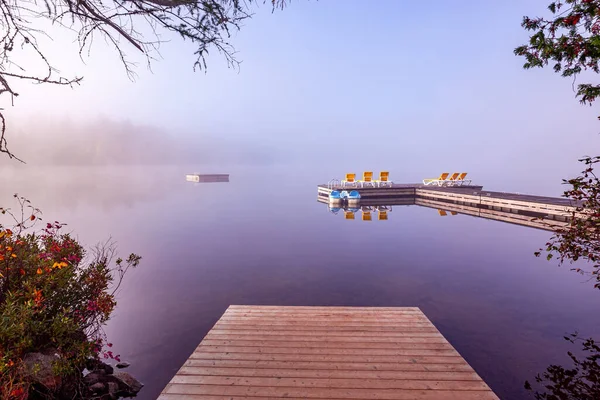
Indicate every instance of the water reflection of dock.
{"type": "Point", "coordinates": [503, 214]}
{"type": "Point", "coordinates": [540, 212]}
{"type": "Point", "coordinates": [325, 353]}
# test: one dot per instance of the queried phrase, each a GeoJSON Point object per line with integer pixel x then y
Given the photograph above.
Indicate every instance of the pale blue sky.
{"type": "Point", "coordinates": [340, 86]}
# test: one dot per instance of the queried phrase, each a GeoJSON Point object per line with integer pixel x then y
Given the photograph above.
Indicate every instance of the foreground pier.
{"type": "Point", "coordinates": [274, 352]}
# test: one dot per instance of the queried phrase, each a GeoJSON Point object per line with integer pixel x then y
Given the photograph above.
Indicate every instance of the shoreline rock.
{"type": "Point", "coordinates": [100, 382]}
{"type": "Point", "coordinates": [104, 383]}
{"type": "Point", "coordinates": [122, 364]}
{"type": "Point", "coordinates": [39, 367]}
{"type": "Point", "coordinates": [130, 384]}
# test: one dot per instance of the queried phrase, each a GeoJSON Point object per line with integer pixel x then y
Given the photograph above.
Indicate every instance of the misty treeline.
{"type": "Point", "coordinates": [104, 141]}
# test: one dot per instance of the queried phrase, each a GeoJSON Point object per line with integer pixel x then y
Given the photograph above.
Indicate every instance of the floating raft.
{"type": "Point", "coordinates": [274, 352]}
{"type": "Point", "coordinates": [207, 177]}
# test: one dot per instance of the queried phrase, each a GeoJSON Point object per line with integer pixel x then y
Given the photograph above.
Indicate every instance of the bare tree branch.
{"type": "Point", "coordinates": [206, 23]}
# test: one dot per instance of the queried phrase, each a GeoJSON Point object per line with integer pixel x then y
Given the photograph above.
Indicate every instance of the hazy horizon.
{"type": "Point", "coordinates": [365, 88]}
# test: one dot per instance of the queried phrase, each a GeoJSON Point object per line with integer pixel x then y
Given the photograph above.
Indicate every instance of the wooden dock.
{"type": "Point", "coordinates": [272, 352]}
{"type": "Point", "coordinates": [475, 196]}
{"type": "Point", "coordinates": [502, 214]}
{"type": "Point", "coordinates": [387, 191]}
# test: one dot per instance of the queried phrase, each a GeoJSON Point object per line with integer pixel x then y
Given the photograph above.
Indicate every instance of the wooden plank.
{"type": "Point", "coordinates": [303, 316]}
{"type": "Point", "coordinates": [342, 318]}
{"type": "Point", "coordinates": [344, 312]}
{"type": "Point", "coordinates": [171, 396]}
{"type": "Point", "coordinates": [326, 344]}
{"type": "Point", "coordinates": [329, 365]}
{"type": "Point", "coordinates": [363, 383]}
{"type": "Point", "coordinates": [234, 307]}
{"type": "Point", "coordinates": [329, 321]}
{"type": "Point", "coordinates": [329, 393]}
{"type": "Point", "coordinates": [332, 320]}
{"type": "Point", "coordinates": [323, 314]}
{"type": "Point", "coordinates": [329, 374]}
{"type": "Point", "coordinates": [265, 335]}
{"type": "Point", "coordinates": [354, 335]}
{"type": "Point", "coordinates": [202, 348]}
{"type": "Point", "coordinates": [316, 323]}
{"type": "Point", "coordinates": [319, 319]}
{"type": "Point", "coordinates": [457, 359]}
{"type": "Point", "coordinates": [325, 328]}
{"type": "Point", "coordinates": [325, 353]}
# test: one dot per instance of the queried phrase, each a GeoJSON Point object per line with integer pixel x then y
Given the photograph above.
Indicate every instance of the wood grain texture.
{"type": "Point", "coordinates": [317, 353]}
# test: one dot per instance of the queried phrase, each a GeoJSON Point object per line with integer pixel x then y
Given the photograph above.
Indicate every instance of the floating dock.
{"type": "Point", "coordinates": [474, 196]}
{"type": "Point", "coordinates": [208, 178]}
{"type": "Point", "coordinates": [274, 352]}
{"type": "Point", "coordinates": [502, 214]}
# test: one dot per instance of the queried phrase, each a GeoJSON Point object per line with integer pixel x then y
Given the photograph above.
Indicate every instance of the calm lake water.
{"type": "Point", "coordinates": [264, 239]}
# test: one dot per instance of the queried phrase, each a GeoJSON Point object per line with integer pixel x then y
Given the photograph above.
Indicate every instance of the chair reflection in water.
{"type": "Point", "coordinates": [444, 213]}
{"type": "Point", "coordinates": [382, 215]}
{"type": "Point", "coordinates": [366, 212]}
{"type": "Point", "coordinates": [349, 212]}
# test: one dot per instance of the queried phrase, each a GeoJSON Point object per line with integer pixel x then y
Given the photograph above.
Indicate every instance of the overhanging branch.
{"type": "Point", "coordinates": [206, 23]}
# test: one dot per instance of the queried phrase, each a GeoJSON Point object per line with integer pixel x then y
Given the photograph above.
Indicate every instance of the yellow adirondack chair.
{"type": "Point", "coordinates": [452, 180]}
{"type": "Point", "coordinates": [436, 181]}
{"type": "Point", "coordinates": [367, 178]}
{"type": "Point", "coordinates": [461, 179]}
{"type": "Point", "coordinates": [384, 179]}
{"type": "Point", "coordinates": [350, 180]}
